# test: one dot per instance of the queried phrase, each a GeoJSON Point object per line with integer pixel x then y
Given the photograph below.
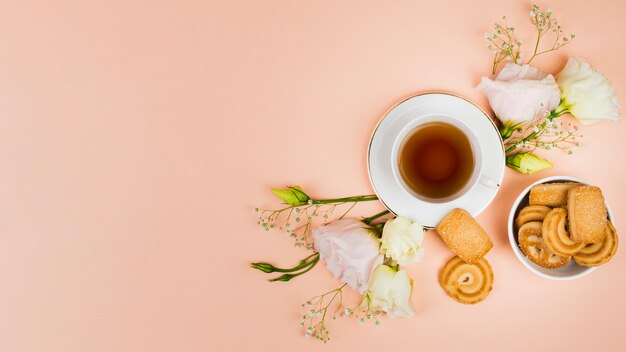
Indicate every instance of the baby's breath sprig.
{"type": "Point", "coordinates": [364, 311]}
{"type": "Point", "coordinates": [545, 133]}
{"type": "Point", "coordinates": [546, 23]}
{"type": "Point", "coordinates": [507, 48]}
{"type": "Point", "coordinates": [319, 307]}
{"type": "Point", "coordinates": [504, 44]}
{"type": "Point", "coordinates": [297, 217]}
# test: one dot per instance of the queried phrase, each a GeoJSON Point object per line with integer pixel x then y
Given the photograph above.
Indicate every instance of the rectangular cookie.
{"type": "Point", "coordinates": [587, 214]}
{"type": "Point", "coordinates": [551, 194]}
{"type": "Point", "coordinates": [464, 236]}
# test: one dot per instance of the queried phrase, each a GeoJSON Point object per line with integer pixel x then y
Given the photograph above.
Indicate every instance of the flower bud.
{"type": "Point", "coordinates": [527, 163]}
{"type": "Point", "coordinates": [292, 195]}
{"type": "Point", "coordinates": [264, 267]}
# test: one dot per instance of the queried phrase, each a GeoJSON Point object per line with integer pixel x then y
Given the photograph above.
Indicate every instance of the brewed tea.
{"type": "Point", "coordinates": [436, 160]}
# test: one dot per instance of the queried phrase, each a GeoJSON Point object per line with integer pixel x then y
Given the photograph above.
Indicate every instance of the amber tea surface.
{"type": "Point", "coordinates": [436, 160]}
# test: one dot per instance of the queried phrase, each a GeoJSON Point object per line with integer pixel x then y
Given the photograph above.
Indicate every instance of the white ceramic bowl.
{"type": "Point", "coordinates": [569, 272]}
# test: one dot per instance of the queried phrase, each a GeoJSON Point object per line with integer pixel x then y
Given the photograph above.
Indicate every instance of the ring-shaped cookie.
{"type": "Point", "coordinates": [467, 283]}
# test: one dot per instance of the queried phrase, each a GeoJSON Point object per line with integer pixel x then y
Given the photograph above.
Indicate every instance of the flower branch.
{"type": "Point", "coordinates": [507, 48]}
{"type": "Point", "coordinates": [315, 318]}
{"type": "Point", "coordinates": [297, 217]}
{"type": "Point", "coordinates": [545, 24]}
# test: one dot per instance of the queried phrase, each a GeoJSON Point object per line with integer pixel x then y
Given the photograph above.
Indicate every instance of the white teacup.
{"type": "Point", "coordinates": [390, 133]}
{"type": "Point", "coordinates": [476, 179]}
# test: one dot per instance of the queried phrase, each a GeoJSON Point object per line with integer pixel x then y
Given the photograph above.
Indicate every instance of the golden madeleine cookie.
{"type": "Point", "coordinates": [464, 236]}
{"type": "Point", "coordinates": [587, 214]}
{"type": "Point", "coordinates": [555, 235]}
{"type": "Point", "coordinates": [467, 283]}
{"type": "Point", "coordinates": [531, 243]}
{"type": "Point", "coordinates": [531, 213]}
{"type": "Point", "coordinates": [595, 254]}
{"type": "Point", "coordinates": [551, 194]}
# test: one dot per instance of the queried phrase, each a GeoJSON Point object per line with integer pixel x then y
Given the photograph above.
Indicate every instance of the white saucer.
{"type": "Point", "coordinates": [398, 122]}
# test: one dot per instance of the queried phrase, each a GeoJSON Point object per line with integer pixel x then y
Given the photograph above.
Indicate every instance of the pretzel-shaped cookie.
{"type": "Point", "coordinates": [555, 235]}
{"type": "Point", "coordinates": [531, 213]}
{"type": "Point", "coordinates": [531, 243]}
{"type": "Point", "coordinates": [595, 254]}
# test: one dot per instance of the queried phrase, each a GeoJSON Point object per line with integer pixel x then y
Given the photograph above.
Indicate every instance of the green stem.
{"type": "Point", "coordinates": [344, 200]}
{"type": "Point", "coordinates": [536, 46]}
{"type": "Point", "coordinates": [331, 301]}
{"type": "Point", "coordinates": [287, 277]}
{"type": "Point", "coordinates": [374, 217]}
{"type": "Point", "coordinates": [557, 113]}
{"type": "Point", "coordinates": [514, 146]}
{"type": "Point", "coordinates": [508, 129]}
{"type": "Point", "coordinates": [303, 264]}
{"type": "Point", "coordinates": [554, 114]}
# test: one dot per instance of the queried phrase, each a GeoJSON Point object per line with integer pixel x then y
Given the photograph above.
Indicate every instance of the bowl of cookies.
{"type": "Point", "coordinates": [560, 228]}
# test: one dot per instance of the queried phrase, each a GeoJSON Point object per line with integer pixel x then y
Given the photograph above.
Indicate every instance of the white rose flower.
{"type": "Point", "coordinates": [350, 251]}
{"type": "Point", "coordinates": [390, 291]}
{"type": "Point", "coordinates": [518, 94]}
{"type": "Point", "coordinates": [586, 93]}
{"type": "Point", "coordinates": [402, 240]}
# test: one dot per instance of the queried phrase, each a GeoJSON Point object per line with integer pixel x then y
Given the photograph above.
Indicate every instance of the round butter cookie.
{"type": "Point", "coordinates": [555, 235]}
{"type": "Point", "coordinates": [532, 244]}
{"type": "Point", "coordinates": [467, 283]}
{"type": "Point", "coordinates": [531, 213]}
{"type": "Point", "coordinates": [595, 254]}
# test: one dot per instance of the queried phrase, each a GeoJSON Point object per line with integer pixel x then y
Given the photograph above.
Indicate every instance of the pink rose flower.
{"type": "Point", "coordinates": [350, 251]}
{"type": "Point", "coordinates": [519, 94]}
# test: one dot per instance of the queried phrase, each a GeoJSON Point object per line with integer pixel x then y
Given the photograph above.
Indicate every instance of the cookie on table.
{"type": "Point", "coordinates": [467, 283]}
{"type": "Point", "coordinates": [464, 236]}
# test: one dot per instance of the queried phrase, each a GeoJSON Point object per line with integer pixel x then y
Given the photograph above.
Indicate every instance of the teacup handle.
{"type": "Point", "coordinates": [487, 182]}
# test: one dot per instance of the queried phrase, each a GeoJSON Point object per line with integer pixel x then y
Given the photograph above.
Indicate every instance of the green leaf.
{"type": "Point", "coordinates": [292, 195]}
{"type": "Point", "coordinates": [527, 163]}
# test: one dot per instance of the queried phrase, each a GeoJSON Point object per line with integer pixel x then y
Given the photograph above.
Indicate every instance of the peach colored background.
{"type": "Point", "coordinates": [137, 136]}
